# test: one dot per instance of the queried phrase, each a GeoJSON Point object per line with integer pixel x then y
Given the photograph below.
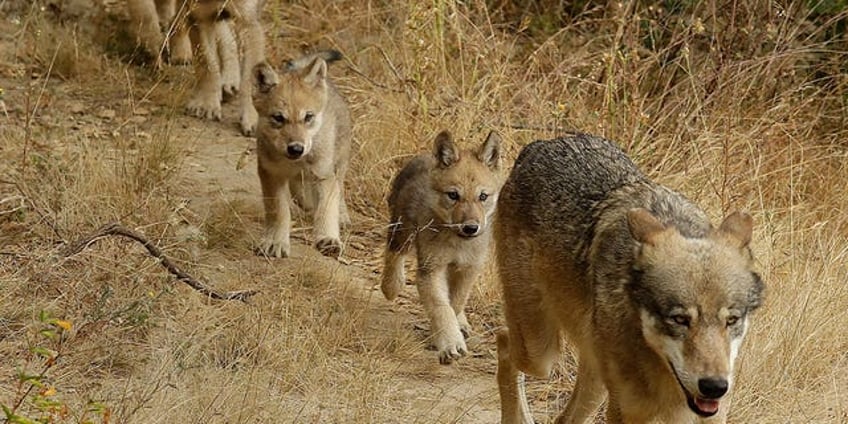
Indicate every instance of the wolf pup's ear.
{"type": "Point", "coordinates": [644, 226]}
{"type": "Point", "coordinates": [490, 151]}
{"type": "Point", "coordinates": [316, 72]}
{"type": "Point", "coordinates": [264, 77]}
{"type": "Point", "coordinates": [444, 150]}
{"type": "Point", "coordinates": [737, 228]}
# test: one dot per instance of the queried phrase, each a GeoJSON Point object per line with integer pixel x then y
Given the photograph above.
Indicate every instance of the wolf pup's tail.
{"type": "Point", "coordinates": [329, 56]}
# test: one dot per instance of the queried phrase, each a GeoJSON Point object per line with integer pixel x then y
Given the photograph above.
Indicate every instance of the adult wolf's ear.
{"type": "Point", "coordinates": [737, 228]}
{"type": "Point", "coordinates": [316, 72]}
{"type": "Point", "coordinates": [644, 226]}
{"type": "Point", "coordinates": [445, 150]}
{"type": "Point", "coordinates": [490, 151]}
{"type": "Point", "coordinates": [264, 77]}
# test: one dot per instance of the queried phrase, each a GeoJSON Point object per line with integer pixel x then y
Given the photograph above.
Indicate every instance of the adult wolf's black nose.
{"type": "Point", "coordinates": [713, 387]}
{"type": "Point", "coordinates": [470, 229]}
{"type": "Point", "coordinates": [294, 150]}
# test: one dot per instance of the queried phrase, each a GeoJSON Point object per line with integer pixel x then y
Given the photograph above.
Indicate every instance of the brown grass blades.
{"type": "Point", "coordinates": [115, 229]}
{"type": "Point", "coordinates": [740, 105]}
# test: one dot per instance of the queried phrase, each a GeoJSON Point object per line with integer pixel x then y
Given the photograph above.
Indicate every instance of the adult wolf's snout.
{"type": "Point", "coordinates": [713, 387]}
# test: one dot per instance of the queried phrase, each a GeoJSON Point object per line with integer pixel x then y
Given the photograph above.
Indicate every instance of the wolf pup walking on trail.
{"type": "Point", "coordinates": [655, 299]}
{"type": "Point", "coordinates": [442, 205]}
{"type": "Point", "coordinates": [303, 147]}
{"type": "Point", "coordinates": [217, 60]}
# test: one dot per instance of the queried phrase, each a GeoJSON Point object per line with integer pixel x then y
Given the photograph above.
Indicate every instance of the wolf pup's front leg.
{"type": "Point", "coordinates": [277, 200]}
{"type": "Point", "coordinates": [326, 218]}
{"type": "Point", "coordinates": [435, 296]}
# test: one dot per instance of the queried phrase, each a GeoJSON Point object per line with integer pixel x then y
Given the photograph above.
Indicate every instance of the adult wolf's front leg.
{"type": "Point", "coordinates": [326, 218]}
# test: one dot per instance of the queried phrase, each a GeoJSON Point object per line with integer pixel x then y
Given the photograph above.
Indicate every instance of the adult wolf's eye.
{"type": "Point", "coordinates": [681, 320]}
{"type": "Point", "coordinates": [731, 321]}
{"type": "Point", "coordinates": [453, 195]}
{"type": "Point", "coordinates": [278, 118]}
{"type": "Point", "coordinates": [483, 197]}
{"type": "Point", "coordinates": [309, 117]}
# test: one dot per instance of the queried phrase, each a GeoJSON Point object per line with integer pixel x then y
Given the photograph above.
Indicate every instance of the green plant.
{"type": "Point", "coordinates": [33, 391]}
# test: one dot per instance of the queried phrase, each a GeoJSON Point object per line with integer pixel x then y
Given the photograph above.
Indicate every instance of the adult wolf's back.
{"type": "Point", "coordinates": [653, 296]}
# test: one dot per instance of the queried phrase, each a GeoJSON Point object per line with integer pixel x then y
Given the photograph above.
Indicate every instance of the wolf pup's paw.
{"type": "Point", "coordinates": [205, 106]}
{"type": "Point", "coordinates": [329, 247]}
{"type": "Point", "coordinates": [273, 248]}
{"type": "Point", "coordinates": [450, 347]}
{"type": "Point", "coordinates": [464, 326]}
{"type": "Point", "coordinates": [249, 119]}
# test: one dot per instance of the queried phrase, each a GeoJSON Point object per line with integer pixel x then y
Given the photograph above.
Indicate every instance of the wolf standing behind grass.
{"type": "Point", "coordinates": [655, 300]}
{"type": "Point", "coordinates": [303, 147]}
{"type": "Point", "coordinates": [442, 204]}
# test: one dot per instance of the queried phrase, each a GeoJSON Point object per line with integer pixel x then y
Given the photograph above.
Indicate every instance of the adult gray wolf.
{"type": "Point", "coordinates": [303, 145]}
{"type": "Point", "coordinates": [654, 298]}
{"type": "Point", "coordinates": [218, 70]}
{"type": "Point", "coordinates": [442, 205]}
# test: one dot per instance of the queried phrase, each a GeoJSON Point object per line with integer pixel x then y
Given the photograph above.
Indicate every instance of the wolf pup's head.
{"type": "Point", "coordinates": [466, 184]}
{"type": "Point", "coordinates": [291, 107]}
{"type": "Point", "coordinates": [694, 297]}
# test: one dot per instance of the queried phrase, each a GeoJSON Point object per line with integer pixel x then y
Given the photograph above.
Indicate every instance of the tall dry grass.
{"type": "Point", "coordinates": [739, 106]}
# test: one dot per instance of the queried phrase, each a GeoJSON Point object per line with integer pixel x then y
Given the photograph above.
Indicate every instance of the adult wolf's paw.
{"type": "Point", "coordinates": [450, 346]}
{"type": "Point", "coordinates": [329, 247]}
{"type": "Point", "coordinates": [273, 248]}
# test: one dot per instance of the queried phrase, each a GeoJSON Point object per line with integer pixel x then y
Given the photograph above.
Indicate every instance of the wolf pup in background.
{"type": "Point", "coordinates": [303, 147]}
{"type": "Point", "coordinates": [655, 299]}
{"type": "Point", "coordinates": [442, 205]}
{"type": "Point", "coordinates": [216, 60]}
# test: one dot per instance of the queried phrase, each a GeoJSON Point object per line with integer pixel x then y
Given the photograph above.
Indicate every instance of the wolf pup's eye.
{"type": "Point", "coordinates": [681, 320]}
{"type": "Point", "coordinates": [309, 117]}
{"type": "Point", "coordinates": [483, 197]}
{"type": "Point", "coordinates": [732, 320]}
{"type": "Point", "coordinates": [453, 195]}
{"type": "Point", "coordinates": [278, 118]}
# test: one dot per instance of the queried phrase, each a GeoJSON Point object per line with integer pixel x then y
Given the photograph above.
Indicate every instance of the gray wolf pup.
{"type": "Point", "coordinates": [654, 298]}
{"type": "Point", "coordinates": [216, 62]}
{"type": "Point", "coordinates": [303, 147]}
{"type": "Point", "coordinates": [442, 205]}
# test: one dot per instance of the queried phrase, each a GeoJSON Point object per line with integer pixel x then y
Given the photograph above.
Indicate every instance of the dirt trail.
{"type": "Point", "coordinates": [439, 391]}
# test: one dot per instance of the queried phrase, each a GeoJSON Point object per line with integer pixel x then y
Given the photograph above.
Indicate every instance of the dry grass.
{"type": "Point", "coordinates": [739, 107]}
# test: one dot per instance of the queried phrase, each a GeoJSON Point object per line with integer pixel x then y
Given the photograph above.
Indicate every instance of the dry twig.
{"type": "Point", "coordinates": [115, 229]}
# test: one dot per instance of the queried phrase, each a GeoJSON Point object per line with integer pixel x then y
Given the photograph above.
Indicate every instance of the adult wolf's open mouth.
{"type": "Point", "coordinates": [701, 406]}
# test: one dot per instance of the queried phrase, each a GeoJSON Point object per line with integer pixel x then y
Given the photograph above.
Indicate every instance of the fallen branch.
{"type": "Point", "coordinates": [115, 229]}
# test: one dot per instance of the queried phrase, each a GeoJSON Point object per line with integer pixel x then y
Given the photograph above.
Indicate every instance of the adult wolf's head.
{"type": "Point", "coordinates": [465, 184]}
{"type": "Point", "coordinates": [291, 105]}
{"type": "Point", "coordinates": [694, 296]}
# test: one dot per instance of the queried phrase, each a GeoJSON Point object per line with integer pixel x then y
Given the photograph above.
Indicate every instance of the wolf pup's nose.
{"type": "Point", "coordinates": [712, 388]}
{"type": "Point", "coordinates": [470, 229]}
{"type": "Point", "coordinates": [294, 150]}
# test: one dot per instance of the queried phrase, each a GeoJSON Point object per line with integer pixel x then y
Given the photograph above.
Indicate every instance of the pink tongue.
{"type": "Point", "coordinates": [707, 405]}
